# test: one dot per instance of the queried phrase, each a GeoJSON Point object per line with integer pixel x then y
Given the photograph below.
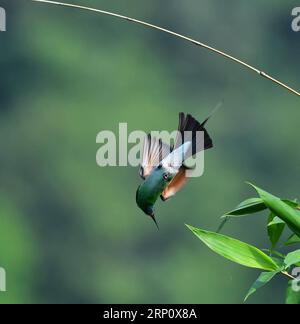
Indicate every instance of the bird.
{"type": "Point", "coordinates": [162, 166]}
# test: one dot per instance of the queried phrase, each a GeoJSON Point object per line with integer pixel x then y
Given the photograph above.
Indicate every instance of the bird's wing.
{"type": "Point", "coordinates": [175, 185]}
{"type": "Point", "coordinates": [154, 152]}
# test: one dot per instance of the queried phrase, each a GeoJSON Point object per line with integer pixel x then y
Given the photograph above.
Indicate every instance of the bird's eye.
{"type": "Point", "coordinates": [165, 176]}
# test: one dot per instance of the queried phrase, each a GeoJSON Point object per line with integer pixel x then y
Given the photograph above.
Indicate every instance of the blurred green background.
{"type": "Point", "coordinates": [70, 231]}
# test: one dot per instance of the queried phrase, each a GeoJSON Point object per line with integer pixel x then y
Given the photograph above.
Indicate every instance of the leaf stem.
{"type": "Point", "coordinates": [188, 39]}
{"type": "Point", "coordinates": [285, 273]}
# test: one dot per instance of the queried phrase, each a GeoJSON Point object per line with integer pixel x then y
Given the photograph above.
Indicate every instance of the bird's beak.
{"type": "Point", "coordinates": [154, 220]}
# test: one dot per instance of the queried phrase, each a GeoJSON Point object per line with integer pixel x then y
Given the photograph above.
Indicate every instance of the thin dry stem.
{"type": "Point", "coordinates": [188, 39]}
{"type": "Point", "coordinates": [288, 275]}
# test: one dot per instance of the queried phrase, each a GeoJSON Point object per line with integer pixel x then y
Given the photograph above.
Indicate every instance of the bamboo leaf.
{"type": "Point", "coordinates": [254, 205]}
{"type": "Point", "coordinates": [281, 209]}
{"type": "Point", "coordinates": [292, 258]}
{"type": "Point", "coordinates": [292, 203]}
{"type": "Point", "coordinates": [249, 206]}
{"type": "Point", "coordinates": [293, 239]}
{"type": "Point", "coordinates": [279, 262]}
{"type": "Point", "coordinates": [278, 254]}
{"type": "Point", "coordinates": [275, 229]}
{"type": "Point", "coordinates": [263, 279]}
{"type": "Point", "coordinates": [235, 250]}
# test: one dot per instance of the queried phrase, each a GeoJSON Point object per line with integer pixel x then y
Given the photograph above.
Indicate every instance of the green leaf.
{"type": "Point", "coordinates": [235, 250]}
{"type": "Point", "coordinates": [281, 209]}
{"type": "Point", "coordinates": [279, 262]}
{"type": "Point", "coordinates": [271, 252]}
{"type": "Point", "coordinates": [292, 240]}
{"type": "Point", "coordinates": [275, 229]}
{"type": "Point", "coordinates": [292, 258]}
{"type": "Point", "coordinates": [249, 206]}
{"type": "Point", "coordinates": [274, 220]}
{"type": "Point", "coordinates": [292, 296]}
{"type": "Point", "coordinates": [254, 205]}
{"type": "Point", "coordinates": [263, 279]}
{"type": "Point", "coordinates": [291, 203]}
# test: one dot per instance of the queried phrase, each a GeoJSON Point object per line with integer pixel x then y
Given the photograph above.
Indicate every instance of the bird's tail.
{"type": "Point", "coordinates": [189, 125]}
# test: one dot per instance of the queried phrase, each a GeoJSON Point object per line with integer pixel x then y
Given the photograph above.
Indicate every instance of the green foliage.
{"type": "Point", "coordinates": [281, 213]}
{"type": "Point", "coordinates": [249, 206]}
{"type": "Point", "coordinates": [262, 280]}
{"type": "Point", "coordinates": [235, 250]}
{"type": "Point", "coordinates": [281, 209]}
{"type": "Point", "coordinates": [293, 239]}
{"type": "Point", "coordinates": [254, 205]}
{"type": "Point", "coordinates": [275, 229]}
{"type": "Point", "coordinates": [292, 258]}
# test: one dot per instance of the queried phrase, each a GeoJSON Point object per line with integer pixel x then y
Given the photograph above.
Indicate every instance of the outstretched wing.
{"type": "Point", "coordinates": [175, 185]}
{"type": "Point", "coordinates": [154, 151]}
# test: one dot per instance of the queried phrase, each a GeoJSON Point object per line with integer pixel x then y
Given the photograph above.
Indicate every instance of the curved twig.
{"type": "Point", "coordinates": [188, 39]}
{"type": "Point", "coordinates": [285, 273]}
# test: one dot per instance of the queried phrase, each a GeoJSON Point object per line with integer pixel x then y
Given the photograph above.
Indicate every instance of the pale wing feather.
{"type": "Point", "coordinates": [153, 153]}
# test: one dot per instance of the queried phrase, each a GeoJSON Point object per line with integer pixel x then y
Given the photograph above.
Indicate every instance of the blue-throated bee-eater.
{"type": "Point", "coordinates": [162, 166]}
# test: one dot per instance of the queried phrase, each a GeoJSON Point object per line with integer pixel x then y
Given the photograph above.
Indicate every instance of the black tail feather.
{"type": "Point", "coordinates": [189, 124]}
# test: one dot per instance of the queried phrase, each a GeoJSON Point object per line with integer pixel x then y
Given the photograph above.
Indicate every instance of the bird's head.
{"type": "Point", "coordinates": [147, 208]}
